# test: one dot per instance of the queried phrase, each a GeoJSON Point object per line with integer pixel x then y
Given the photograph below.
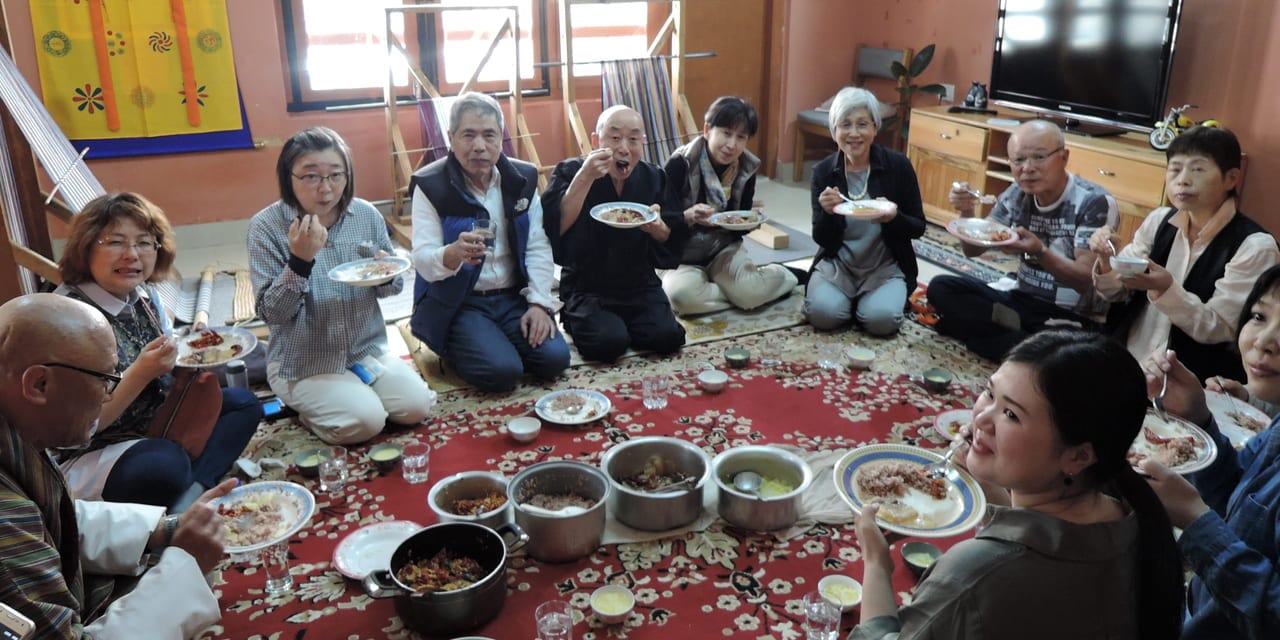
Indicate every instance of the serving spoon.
{"type": "Point", "coordinates": [748, 482]}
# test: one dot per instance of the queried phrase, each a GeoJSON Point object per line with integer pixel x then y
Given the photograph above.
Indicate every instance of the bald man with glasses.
{"type": "Point", "coordinates": [61, 555]}
{"type": "Point", "coordinates": [1054, 212]}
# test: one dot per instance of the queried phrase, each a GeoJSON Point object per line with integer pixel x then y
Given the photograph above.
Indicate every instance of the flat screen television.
{"type": "Point", "coordinates": [1105, 62]}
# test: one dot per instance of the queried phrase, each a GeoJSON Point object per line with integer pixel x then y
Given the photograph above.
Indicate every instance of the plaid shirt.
{"type": "Point", "coordinates": [317, 325]}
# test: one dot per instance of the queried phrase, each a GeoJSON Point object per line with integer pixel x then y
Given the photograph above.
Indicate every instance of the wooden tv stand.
{"type": "Point", "coordinates": [950, 147]}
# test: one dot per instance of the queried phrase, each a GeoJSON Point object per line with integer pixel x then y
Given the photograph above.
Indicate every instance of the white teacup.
{"type": "Point", "coordinates": [713, 380]}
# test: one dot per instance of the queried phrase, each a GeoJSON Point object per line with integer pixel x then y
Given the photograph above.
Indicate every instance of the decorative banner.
{"type": "Point", "coordinates": [120, 70]}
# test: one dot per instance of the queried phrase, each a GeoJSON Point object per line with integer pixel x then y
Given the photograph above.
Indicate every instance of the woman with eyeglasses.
{"type": "Point", "coordinates": [119, 246]}
{"type": "Point", "coordinates": [865, 266]}
{"type": "Point", "coordinates": [328, 358]}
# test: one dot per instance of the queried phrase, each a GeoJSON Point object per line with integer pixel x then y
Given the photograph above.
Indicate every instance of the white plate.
{"type": "Point", "coordinates": [369, 548]}
{"type": "Point", "coordinates": [599, 210]}
{"type": "Point", "coordinates": [961, 509]}
{"type": "Point", "coordinates": [296, 506]}
{"type": "Point", "coordinates": [1205, 448]}
{"type": "Point", "coordinates": [722, 220]}
{"type": "Point", "coordinates": [595, 405]}
{"type": "Point", "coordinates": [948, 423]}
{"type": "Point", "coordinates": [1234, 417]}
{"type": "Point", "coordinates": [979, 231]}
{"type": "Point", "coordinates": [236, 343]}
{"type": "Point", "coordinates": [369, 272]}
{"type": "Point", "coordinates": [865, 208]}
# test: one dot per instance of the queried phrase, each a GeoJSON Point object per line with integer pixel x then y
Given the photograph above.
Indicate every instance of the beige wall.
{"type": "Point", "coordinates": [1227, 62]}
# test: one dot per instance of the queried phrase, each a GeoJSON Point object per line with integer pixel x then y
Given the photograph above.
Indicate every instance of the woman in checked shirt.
{"type": "Point", "coordinates": [327, 357]}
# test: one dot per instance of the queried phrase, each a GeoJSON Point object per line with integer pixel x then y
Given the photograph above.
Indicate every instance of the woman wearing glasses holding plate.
{"type": "Point", "coordinates": [327, 357]}
{"type": "Point", "coordinates": [119, 246]}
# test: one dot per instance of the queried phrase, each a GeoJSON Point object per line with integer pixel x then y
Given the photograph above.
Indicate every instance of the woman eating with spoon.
{"type": "Point", "coordinates": [1229, 513]}
{"type": "Point", "coordinates": [865, 266]}
{"type": "Point", "coordinates": [1080, 546]}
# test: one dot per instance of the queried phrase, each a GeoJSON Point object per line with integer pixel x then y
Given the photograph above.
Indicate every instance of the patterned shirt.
{"type": "Point", "coordinates": [318, 326]}
{"type": "Point", "coordinates": [1064, 226]}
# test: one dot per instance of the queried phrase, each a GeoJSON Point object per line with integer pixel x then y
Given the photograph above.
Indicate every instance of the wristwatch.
{"type": "Point", "coordinates": [170, 526]}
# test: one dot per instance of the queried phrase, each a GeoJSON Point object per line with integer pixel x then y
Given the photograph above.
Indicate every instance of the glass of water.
{"type": "Point", "coordinates": [555, 620]}
{"type": "Point", "coordinates": [333, 469]}
{"type": "Point", "coordinates": [416, 462]}
{"type": "Point", "coordinates": [655, 391]}
{"type": "Point", "coordinates": [829, 355]}
{"type": "Point", "coordinates": [275, 563]}
{"type": "Point", "coordinates": [770, 352]}
{"type": "Point", "coordinates": [821, 618]}
{"type": "Point", "coordinates": [484, 229]}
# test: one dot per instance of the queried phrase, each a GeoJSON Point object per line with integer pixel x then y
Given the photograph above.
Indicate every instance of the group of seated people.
{"type": "Point", "coordinates": [485, 247]}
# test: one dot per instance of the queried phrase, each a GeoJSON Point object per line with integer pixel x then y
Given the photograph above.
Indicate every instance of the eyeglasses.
{"type": "Point", "coordinates": [313, 180]}
{"type": "Point", "coordinates": [1036, 160]}
{"type": "Point", "coordinates": [120, 245]}
{"type": "Point", "coordinates": [109, 380]}
{"type": "Point", "coordinates": [861, 126]}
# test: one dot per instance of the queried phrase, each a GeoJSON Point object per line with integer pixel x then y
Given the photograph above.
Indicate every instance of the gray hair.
{"type": "Point", "coordinates": [849, 100]}
{"type": "Point", "coordinates": [473, 102]}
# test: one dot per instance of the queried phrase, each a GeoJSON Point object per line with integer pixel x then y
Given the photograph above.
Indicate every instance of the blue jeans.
{"type": "Point", "coordinates": [488, 350]}
{"type": "Point", "coordinates": [156, 471]}
{"type": "Point", "coordinates": [967, 312]}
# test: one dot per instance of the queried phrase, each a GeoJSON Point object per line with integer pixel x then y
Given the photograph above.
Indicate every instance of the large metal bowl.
{"type": "Point", "coordinates": [650, 511]}
{"type": "Point", "coordinates": [555, 537]}
{"type": "Point", "coordinates": [469, 485]}
{"type": "Point", "coordinates": [753, 512]}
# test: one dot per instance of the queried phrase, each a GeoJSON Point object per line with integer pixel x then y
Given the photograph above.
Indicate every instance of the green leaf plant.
{"type": "Point", "coordinates": [907, 89]}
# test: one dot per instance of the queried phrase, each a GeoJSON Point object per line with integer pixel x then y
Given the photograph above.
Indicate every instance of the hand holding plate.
{"type": "Point", "coordinates": [1180, 499]}
{"type": "Point", "coordinates": [199, 530]}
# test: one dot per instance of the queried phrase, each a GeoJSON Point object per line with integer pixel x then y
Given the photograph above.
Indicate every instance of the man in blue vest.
{"type": "Point", "coordinates": [482, 298]}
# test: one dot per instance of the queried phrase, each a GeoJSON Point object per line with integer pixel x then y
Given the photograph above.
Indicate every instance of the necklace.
{"type": "Point", "coordinates": [863, 176]}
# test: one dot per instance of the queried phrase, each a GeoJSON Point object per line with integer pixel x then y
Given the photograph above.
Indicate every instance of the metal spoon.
{"type": "Point", "coordinates": [1156, 401]}
{"type": "Point", "coordinates": [678, 485]}
{"type": "Point", "coordinates": [748, 482]}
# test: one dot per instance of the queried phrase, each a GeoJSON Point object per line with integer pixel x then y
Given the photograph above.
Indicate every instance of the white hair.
{"type": "Point", "coordinates": [849, 100]}
{"type": "Point", "coordinates": [473, 102]}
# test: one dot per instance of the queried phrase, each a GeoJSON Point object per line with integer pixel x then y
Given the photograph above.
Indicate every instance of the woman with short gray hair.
{"type": "Point", "coordinates": [865, 266]}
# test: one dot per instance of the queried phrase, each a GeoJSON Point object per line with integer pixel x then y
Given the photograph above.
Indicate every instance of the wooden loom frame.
{"type": "Point", "coordinates": [521, 137]}
{"type": "Point", "coordinates": [672, 32]}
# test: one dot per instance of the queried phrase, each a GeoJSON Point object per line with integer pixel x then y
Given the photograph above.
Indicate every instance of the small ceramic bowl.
{"type": "Point", "coordinates": [842, 590]}
{"type": "Point", "coordinates": [611, 603]}
{"type": "Point", "coordinates": [737, 357]}
{"type": "Point", "coordinates": [386, 455]}
{"type": "Point", "coordinates": [1128, 266]}
{"type": "Point", "coordinates": [938, 380]}
{"type": "Point", "coordinates": [860, 357]}
{"type": "Point", "coordinates": [524, 428]}
{"type": "Point", "coordinates": [308, 462]}
{"type": "Point", "coordinates": [919, 556]}
{"type": "Point", "coordinates": [713, 380]}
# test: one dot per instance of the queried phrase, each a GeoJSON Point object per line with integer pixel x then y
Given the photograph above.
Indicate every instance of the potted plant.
{"type": "Point", "coordinates": [907, 89]}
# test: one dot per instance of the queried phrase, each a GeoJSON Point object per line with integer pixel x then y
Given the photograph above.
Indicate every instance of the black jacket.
{"type": "Point", "coordinates": [892, 177]}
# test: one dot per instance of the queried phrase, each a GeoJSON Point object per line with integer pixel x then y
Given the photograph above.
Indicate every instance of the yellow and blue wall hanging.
{"type": "Point", "coordinates": [140, 77]}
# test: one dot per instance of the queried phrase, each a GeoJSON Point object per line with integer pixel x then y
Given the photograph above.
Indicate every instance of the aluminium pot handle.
{"type": "Point", "coordinates": [518, 536]}
{"type": "Point", "coordinates": [378, 584]}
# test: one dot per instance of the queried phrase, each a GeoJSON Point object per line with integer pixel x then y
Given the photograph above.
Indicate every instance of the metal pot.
{"type": "Point", "coordinates": [751, 511]}
{"type": "Point", "coordinates": [447, 613]}
{"type": "Point", "coordinates": [650, 511]}
{"type": "Point", "coordinates": [556, 537]}
{"type": "Point", "coordinates": [469, 485]}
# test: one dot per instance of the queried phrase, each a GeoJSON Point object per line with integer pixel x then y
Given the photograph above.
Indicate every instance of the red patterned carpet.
{"type": "Point", "coordinates": [722, 582]}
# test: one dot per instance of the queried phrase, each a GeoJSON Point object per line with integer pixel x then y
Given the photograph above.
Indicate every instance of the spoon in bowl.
{"type": "Point", "coordinates": [679, 485]}
{"type": "Point", "coordinates": [748, 482]}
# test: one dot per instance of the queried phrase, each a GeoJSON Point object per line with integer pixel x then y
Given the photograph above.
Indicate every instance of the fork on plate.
{"type": "Point", "coordinates": [1157, 401]}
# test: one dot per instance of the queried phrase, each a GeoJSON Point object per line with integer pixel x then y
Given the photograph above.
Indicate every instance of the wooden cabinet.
{"type": "Point", "coordinates": [951, 147]}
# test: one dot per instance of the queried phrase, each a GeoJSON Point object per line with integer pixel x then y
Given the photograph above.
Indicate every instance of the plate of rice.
{"type": "Point", "coordinates": [573, 406]}
{"type": "Point", "coordinates": [911, 503]}
{"type": "Point", "coordinates": [214, 346]}
{"type": "Point", "coordinates": [1173, 442]}
{"type": "Point", "coordinates": [623, 215]}
{"type": "Point", "coordinates": [260, 514]}
{"type": "Point", "coordinates": [737, 220]}
{"type": "Point", "coordinates": [369, 272]}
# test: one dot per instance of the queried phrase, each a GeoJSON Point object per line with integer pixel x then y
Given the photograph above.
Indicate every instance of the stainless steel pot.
{"type": "Point", "coordinates": [447, 613]}
{"type": "Point", "coordinates": [559, 537]}
{"type": "Point", "coordinates": [650, 511]}
{"type": "Point", "coordinates": [751, 511]}
{"type": "Point", "coordinates": [469, 485]}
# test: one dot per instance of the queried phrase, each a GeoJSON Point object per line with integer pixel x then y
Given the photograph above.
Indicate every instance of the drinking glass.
{"type": "Point", "coordinates": [829, 355]}
{"type": "Point", "coordinates": [416, 463]}
{"type": "Point", "coordinates": [770, 352]}
{"type": "Point", "coordinates": [333, 469]}
{"type": "Point", "coordinates": [655, 391]}
{"type": "Point", "coordinates": [821, 617]}
{"type": "Point", "coordinates": [275, 564]}
{"type": "Point", "coordinates": [484, 229]}
{"type": "Point", "coordinates": [555, 620]}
